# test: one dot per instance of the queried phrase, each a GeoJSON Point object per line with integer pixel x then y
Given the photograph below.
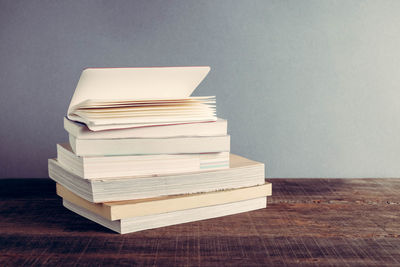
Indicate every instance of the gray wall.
{"type": "Point", "coordinates": [311, 88]}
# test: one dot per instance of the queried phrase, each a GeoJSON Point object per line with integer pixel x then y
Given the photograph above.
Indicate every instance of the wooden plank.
{"type": "Point", "coordinates": [308, 222]}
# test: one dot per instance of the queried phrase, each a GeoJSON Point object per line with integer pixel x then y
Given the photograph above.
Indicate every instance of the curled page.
{"type": "Point", "coordinates": [113, 98]}
{"type": "Point", "coordinates": [116, 85]}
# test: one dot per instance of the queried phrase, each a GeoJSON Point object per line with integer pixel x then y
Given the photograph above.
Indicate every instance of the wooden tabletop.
{"type": "Point", "coordinates": [324, 222]}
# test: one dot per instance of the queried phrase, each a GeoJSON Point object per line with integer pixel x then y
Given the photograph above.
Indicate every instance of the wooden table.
{"type": "Point", "coordinates": [325, 222]}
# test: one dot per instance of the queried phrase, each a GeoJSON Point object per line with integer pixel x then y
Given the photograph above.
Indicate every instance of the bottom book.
{"type": "Point", "coordinates": [140, 223]}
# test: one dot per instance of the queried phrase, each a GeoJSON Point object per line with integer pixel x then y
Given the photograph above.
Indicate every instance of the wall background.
{"type": "Point", "coordinates": [311, 88]}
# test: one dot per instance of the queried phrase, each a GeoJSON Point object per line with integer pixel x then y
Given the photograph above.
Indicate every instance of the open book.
{"type": "Point", "coordinates": [116, 98]}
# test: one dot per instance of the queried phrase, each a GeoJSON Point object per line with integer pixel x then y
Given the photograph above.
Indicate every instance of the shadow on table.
{"type": "Point", "coordinates": [27, 188]}
{"type": "Point", "coordinates": [32, 205]}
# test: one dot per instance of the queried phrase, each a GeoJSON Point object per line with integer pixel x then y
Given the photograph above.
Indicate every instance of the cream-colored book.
{"type": "Point", "coordinates": [141, 207]}
{"type": "Point", "coordinates": [242, 172]}
{"type": "Point", "coordinates": [140, 223]}
{"type": "Point", "coordinates": [115, 98]}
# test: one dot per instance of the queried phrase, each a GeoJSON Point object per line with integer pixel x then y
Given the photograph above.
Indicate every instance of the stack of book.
{"type": "Point", "coordinates": [143, 153]}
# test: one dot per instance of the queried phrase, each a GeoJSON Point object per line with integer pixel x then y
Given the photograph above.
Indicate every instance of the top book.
{"type": "Point", "coordinates": [112, 98]}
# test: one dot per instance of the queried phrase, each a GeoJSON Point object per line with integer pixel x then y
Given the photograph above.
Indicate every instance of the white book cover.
{"type": "Point", "coordinates": [96, 167]}
{"type": "Point", "coordinates": [214, 128]}
{"type": "Point", "coordinates": [147, 146]}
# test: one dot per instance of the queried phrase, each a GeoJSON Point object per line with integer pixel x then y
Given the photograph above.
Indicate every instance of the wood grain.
{"type": "Point", "coordinates": [308, 222]}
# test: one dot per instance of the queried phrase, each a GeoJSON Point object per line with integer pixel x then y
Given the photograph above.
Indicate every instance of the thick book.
{"type": "Point", "coordinates": [242, 172]}
{"type": "Point", "coordinates": [147, 146]}
{"type": "Point", "coordinates": [215, 128]}
{"type": "Point", "coordinates": [140, 223]}
{"type": "Point", "coordinates": [112, 98]}
{"type": "Point", "coordinates": [95, 167]}
{"type": "Point", "coordinates": [117, 210]}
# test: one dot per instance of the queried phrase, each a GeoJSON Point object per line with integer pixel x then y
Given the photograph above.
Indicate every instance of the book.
{"type": "Point", "coordinates": [99, 114]}
{"type": "Point", "coordinates": [215, 128]}
{"type": "Point", "coordinates": [242, 172]}
{"type": "Point", "coordinates": [95, 167]}
{"type": "Point", "coordinates": [141, 207]}
{"type": "Point", "coordinates": [112, 98]}
{"type": "Point", "coordinates": [143, 146]}
{"type": "Point", "coordinates": [140, 223]}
